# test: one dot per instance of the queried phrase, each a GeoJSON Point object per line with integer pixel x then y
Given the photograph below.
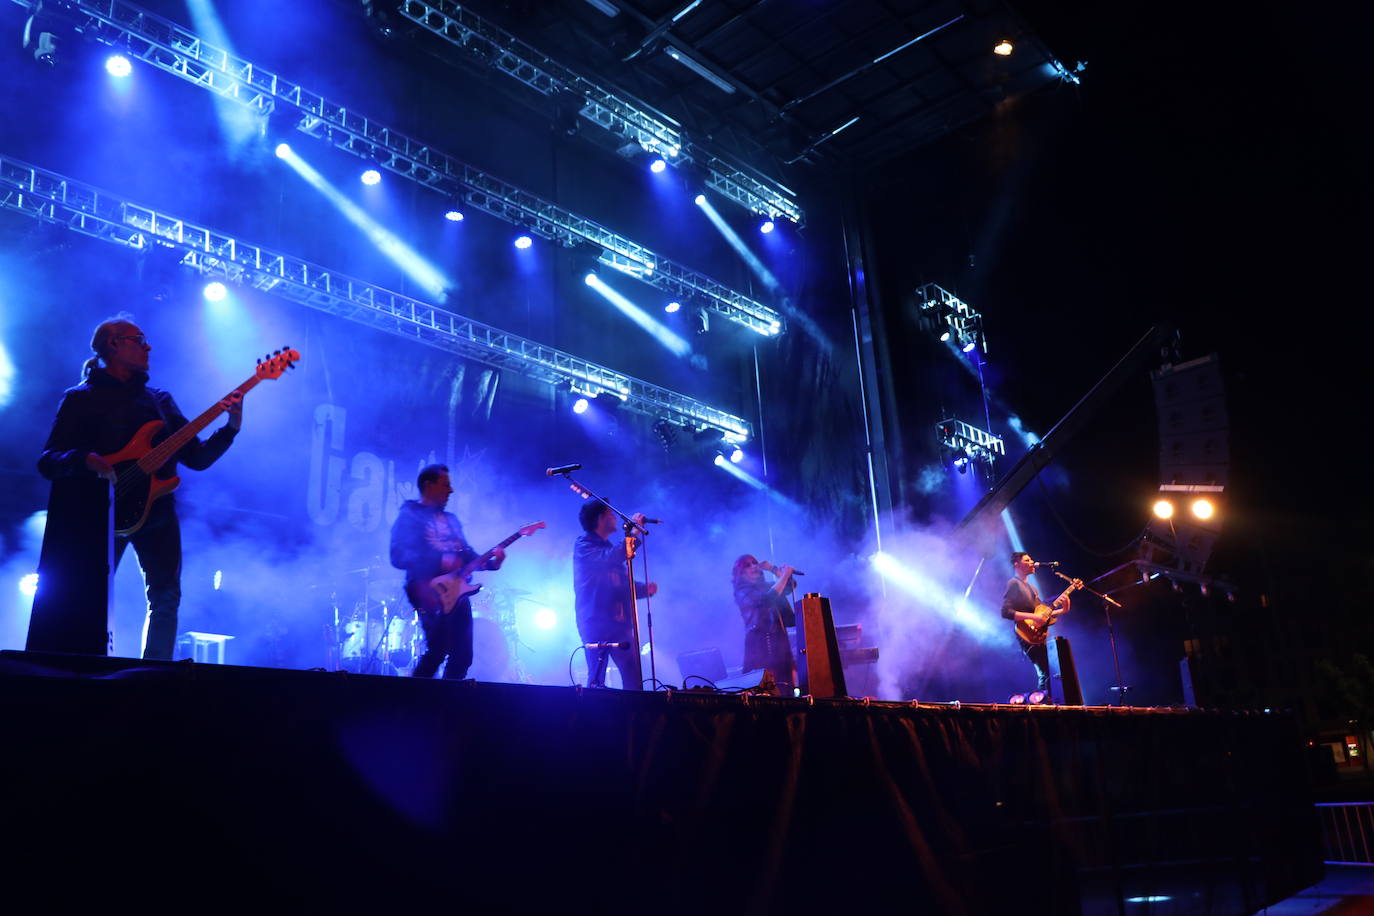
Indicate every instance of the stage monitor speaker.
{"type": "Point", "coordinates": [818, 662]}
{"type": "Point", "coordinates": [703, 663]}
{"type": "Point", "coordinates": [1062, 667]}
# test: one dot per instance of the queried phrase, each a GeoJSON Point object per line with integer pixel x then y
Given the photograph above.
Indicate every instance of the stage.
{"type": "Point", "coordinates": [175, 785]}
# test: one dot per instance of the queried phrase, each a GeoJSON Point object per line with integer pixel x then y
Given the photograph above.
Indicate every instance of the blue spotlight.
{"type": "Point", "coordinates": [524, 241]}
{"type": "Point", "coordinates": [737, 455]}
{"type": "Point", "coordinates": [591, 278]}
{"type": "Point", "coordinates": [371, 177]}
{"type": "Point", "coordinates": [737, 243]}
{"type": "Point", "coordinates": [657, 165]}
{"type": "Point", "coordinates": [215, 291]}
{"type": "Point", "coordinates": [655, 328]}
{"type": "Point", "coordinates": [545, 618]}
{"type": "Point", "coordinates": [699, 200]}
{"type": "Point", "coordinates": [453, 215]}
{"type": "Point", "coordinates": [118, 65]}
{"type": "Point", "coordinates": [969, 347]}
{"type": "Point", "coordinates": [29, 584]}
{"type": "Point", "coordinates": [672, 307]}
{"type": "Point", "coordinates": [767, 225]}
{"type": "Point", "coordinates": [581, 405]}
{"type": "Point", "coordinates": [283, 150]}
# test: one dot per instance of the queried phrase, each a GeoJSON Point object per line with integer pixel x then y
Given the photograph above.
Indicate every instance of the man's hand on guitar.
{"type": "Point", "coordinates": [100, 467]}
{"type": "Point", "coordinates": [233, 403]}
{"type": "Point", "coordinates": [651, 589]}
{"type": "Point", "coordinates": [498, 556]}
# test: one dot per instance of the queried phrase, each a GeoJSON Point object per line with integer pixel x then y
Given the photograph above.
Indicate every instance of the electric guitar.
{"type": "Point", "coordinates": [137, 485]}
{"type": "Point", "coordinates": [453, 587]}
{"type": "Point", "coordinates": [1036, 632]}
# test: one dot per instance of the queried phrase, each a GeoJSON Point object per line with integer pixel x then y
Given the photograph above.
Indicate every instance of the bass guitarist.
{"type": "Point", "coordinates": [98, 417]}
{"type": "Point", "coordinates": [426, 542]}
{"type": "Point", "coordinates": [1020, 603]}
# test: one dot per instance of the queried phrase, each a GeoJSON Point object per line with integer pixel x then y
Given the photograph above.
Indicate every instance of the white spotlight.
{"type": "Point", "coordinates": [215, 291]}
{"type": "Point", "coordinates": [118, 65]}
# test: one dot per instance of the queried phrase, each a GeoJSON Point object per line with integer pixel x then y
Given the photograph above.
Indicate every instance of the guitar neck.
{"type": "Point", "coordinates": [173, 443]}
{"type": "Point", "coordinates": [482, 560]}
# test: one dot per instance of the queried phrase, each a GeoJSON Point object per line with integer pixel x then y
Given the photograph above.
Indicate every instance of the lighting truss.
{"type": "Point", "coordinates": [167, 46]}
{"type": "Point", "coordinates": [970, 440]}
{"type": "Point", "coordinates": [950, 314]}
{"type": "Point", "coordinates": [53, 198]}
{"type": "Point", "coordinates": [616, 111]}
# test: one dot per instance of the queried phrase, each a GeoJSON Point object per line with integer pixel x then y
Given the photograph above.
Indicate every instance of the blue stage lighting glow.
{"type": "Point", "coordinates": [523, 241]}
{"type": "Point", "coordinates": [215, 291]}
{"type": "Point", "coordinates": [283, 150]}
{"type": "Point", "coordinates": [7, 374]}
{"type": "Point", "coordinates": [581, 405]}
{"type": "Point", "coordinates": [371, 177]}
{"type": "Point", "coordinates": [426, 275]}
{"type": "Point", "coordinates": [453, 216]}
{"type": "Point", "coordinates": [658, 165]}
{"type": "Point", "coordinates": [969, 347]}
{"type": "Point", "coordinates": [672, 307]}
{"type": "Point", "coordinates": [737, 455]}
{"type": "Point", "coordinates": [218, 579]}
{"type": "Point", "coordinates": [913, 580]}
{"type": "Point", "coordinates": [737, 243]}
{"type": "Point", "coordinates": [29, 584]}
{"type": "Point", "coordinates": [590, 278]}
{"type": "Point", "coordinates": [655, 328]}
{"type": "Point", "coordinates": [767, 226]}
{"type": "Point", "coordinates": [944, 337]}
{"type": "Point", "coordinates": [118, 65]}
{"type": "Point", "coordinates": [699, 200]}
{"type": "Point", "coordinates": [545, 618]}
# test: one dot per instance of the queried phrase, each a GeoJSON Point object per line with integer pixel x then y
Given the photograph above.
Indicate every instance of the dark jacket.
{"type": "Point", "coordinates": [601, 584]}
{"type": "Point", "coordinates": [102, 414]}
{"type": "Point", "coordinates": [421, 536]}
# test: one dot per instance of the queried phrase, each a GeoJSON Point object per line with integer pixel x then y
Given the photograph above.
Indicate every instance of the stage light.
{"type": "Point", "coordinates": [218, 579]}
{"type": "Point", "coordinates": [767, 226]}
{"type": "Point", "coordinates": [737, 455]}
{"type": "Point", "coordinates": [1003, 48]}
{"type": "Point", "coordinates": [657, 165]}
{"type": "Point", "coordinates": [944, 337]}
{"type": "Point", "coordinates": [118, 65]}
{"type": "Point", "coordinates": [545, 618]}
{"type": "Point", "coordinates": [1163, 509]}
{"type": "Point", "coordinates": [581, 405]}
{"type": "Point", "coordinates": [672, 307]}
{"type": "Point", "coordinates": [371, 176]}
{"type": "Point", "coordinates": [283, 150]}
{"type": "Point", "coordinates": [29, 584]}
{"type": "Point", "coordinates": [1017, 699]}
{"type": "Point", "coordinates": [1035, 697]}
{"type": "Point", "coordinates": [591, 278]}
{"type": "Point", "coordinates": [720, 462]}
{"type": "Point", "coordinates": [1203, 508]}
{"type": "Point", "coordinates": [699, 200]}
{"type": "Point", "coordinates": [970, 345]}
{"type": "Point", "coordinates": [215, 291]}
{"type": "Point", "coordinates": [453, 215]}
{"type": "Point", "coordinates": [523, 241]}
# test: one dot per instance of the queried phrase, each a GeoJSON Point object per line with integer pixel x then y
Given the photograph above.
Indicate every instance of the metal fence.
{"type": "Point", "coordinates": [1348, 832]}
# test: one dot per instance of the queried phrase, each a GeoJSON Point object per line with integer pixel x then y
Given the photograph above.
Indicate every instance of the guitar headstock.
{"type": "Point", "coordinates": [531, 529]}
{"type": "Point", "coordinates": [275, 364]}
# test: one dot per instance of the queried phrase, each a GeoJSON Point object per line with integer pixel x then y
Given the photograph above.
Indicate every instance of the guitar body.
{"type": "Point", "coordinates": [452, 588]}
{"type": "Point", "coordinates": [137, 490]}
{"type": "Point", "coordinates": [1037, 632]}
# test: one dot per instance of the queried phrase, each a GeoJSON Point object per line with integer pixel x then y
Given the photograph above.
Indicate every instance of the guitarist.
{"type": "Point", "coordinates": [426, 542]}
{"type": "Point", "coordinates": [98, 417]}
{"type": "Point", "coordinates": [1020, 602]}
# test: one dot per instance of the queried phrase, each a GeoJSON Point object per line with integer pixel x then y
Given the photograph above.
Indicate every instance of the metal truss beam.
{"type": "Point", "coordinates": [968, 438]}
{"type": "Point", "coordinates": [53, 198]}
{"type": "Point", "coordinates": [952, 315]}
{"type": "Point", "coordinates": [167, 46]}
{"type": "Point", "coordinates": [614, 110]}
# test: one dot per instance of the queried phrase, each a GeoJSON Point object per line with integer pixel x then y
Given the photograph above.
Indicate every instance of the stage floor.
{"type": "Point", "coordinates": [206, 784]}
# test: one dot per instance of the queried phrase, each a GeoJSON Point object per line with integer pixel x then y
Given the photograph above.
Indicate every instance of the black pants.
{"type": "Point", "coordinates": [1039, 655]}
{"type": "Point", "coordinates": [158, 547]}
{"type": "Point", "coordinates": [446, 635]}
{"type": "Point", "coordinates": [626, 660]}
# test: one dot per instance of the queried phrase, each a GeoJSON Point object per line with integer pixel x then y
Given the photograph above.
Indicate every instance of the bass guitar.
{"type": "Point", "coordinates": [137, 484]}
{"type": "Point", "coordinates": [453, 587]}
{"type": "Point", "coordinates": [1037, 631]}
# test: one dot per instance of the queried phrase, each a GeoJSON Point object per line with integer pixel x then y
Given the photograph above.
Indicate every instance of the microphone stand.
{"type": "Point", "coordinates": [629, 527]}
{"type": "Point", "coordinates": [1119, 688]}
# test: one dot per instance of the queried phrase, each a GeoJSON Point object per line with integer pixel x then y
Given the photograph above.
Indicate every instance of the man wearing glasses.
{"type": "Point", "coordinates": [98, 417]}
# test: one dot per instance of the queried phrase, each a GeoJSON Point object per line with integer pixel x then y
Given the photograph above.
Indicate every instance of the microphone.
{"type": "Point", "coordinates": [562, 469]}
{"type": "Point", "coordinates": [1050, 563]}
{"type": "Point", "coordinates": [606, 645]}
{"type": "Point", "coordinates": [652, 521]}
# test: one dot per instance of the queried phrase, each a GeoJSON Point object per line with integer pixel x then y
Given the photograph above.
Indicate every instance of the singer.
{"type": "Point", "coordinates": [767, 615]}
{"type": "Point", "coordinates": [1019, 603]}
{"type": "Point", "coordinates": [601, 586]}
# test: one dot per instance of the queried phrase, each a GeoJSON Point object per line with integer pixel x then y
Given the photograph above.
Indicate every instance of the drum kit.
{"type": "Point", "coordinates": [372, 628]}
